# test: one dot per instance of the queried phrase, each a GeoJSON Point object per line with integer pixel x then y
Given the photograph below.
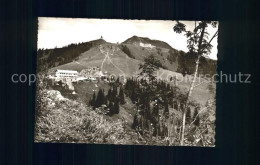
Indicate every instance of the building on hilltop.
{"type": "Point", "coordinates": [66, 73]}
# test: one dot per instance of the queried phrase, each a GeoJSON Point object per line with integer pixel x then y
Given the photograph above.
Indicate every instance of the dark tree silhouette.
{"type": "Point", "coordinates": [188, 116]}
{"type": "Point", "coordinates": [93, 100]}
{"type": "Point", "coordinates": [166, 107]}
{"type": "Point", "coordinates": [111, 109]}
{"type": "Point", "coordinates": [150, 66]}
{"type": "Point", "coordinates": [121, 96]}
{"type": "Point", "coordinates": [109, 94]}
{"type": "Point", "coordinates": [196, 117]}
{"type": "Point", "coordinates": [100, 98]}
{"type": "Point", "coordinates": [116, 106]}
{"type": "Point", "coordinates": [133, 95]}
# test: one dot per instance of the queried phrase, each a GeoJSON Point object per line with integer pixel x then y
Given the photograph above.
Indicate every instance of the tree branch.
{"type": "Point", "coordinates": [210, 41]}
{"type": "Point", "coordinates": [198, 114]}
{"type": "Point", "coordinates": [201, 83]}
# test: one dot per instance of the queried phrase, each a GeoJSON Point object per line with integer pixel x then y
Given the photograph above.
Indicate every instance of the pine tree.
{"type": "Point", "coordinates": [116, 106]}
{"type": "Point", "coordinates": [109, 94]}
{"type": "Point", "coordinates": [117, 80]}
{"type": "Point", "coordinates": [155, 110]}
{"type": "Point", "coordinates": [121, 96]}
{"type": "Point", "coordinates": [133, 95]}
{"type": "Point", "coordinates": [127, 84]}
{"type": "Point", "coordinates": [93, 100]}
{"type": "Point", "coordinates": [111, 108]}
{"type": "Point", "coordinates": [196, 117]}
{"type": "Point", "coordinates": [114, 92]}
{"type": "Point", "coordinates": [166, 107]}
{"type": "Point", "coordinates": [100, 98]}
{"type": "Point", "coordinates": [105, 100]}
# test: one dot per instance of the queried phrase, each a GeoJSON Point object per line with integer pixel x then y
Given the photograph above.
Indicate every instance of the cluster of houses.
{"type": "Point", "coordinates": [93, 74]}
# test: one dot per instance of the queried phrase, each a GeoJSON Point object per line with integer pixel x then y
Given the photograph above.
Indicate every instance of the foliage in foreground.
{"type": "Point", "coordinates": [63, 120]}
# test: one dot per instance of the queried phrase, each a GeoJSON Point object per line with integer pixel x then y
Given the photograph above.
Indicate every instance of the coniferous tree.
{"type": "Point", "coordinates": [121, 96]}
{"type": "Point", "coordinates": [166, 107]}
{"type": "Point", "coordinates": [105, 100]}
{"type": "Point", "coordinates": [196, 117]}
{"type": "Point", "coordinates": [147, 107]}
{"type": "Point", "coordinates": [109, 94]}
{"type": "Point", "coordinates": [127, 84]}
{"type": "Point", "coordinates": [93, 100]}
{"type": "Point", "coordinates": [150, 66]}
{"type": "Point", "coordinates": [133, 95]}
{"type": "Point", "coordinates": [100, 98]}
{"type": "Point", "coordinates": [156, 110]}
{"type": "Point", "coordinates": [115, 91]}
{"type": "Point", "coordinates": [116, 106]}
{"type": "Point", "coordinates": [111, 108]}
{"type": "Point", "coordinates": [113, 94]}
{"type": "Point", "coordinates": [117, 80]}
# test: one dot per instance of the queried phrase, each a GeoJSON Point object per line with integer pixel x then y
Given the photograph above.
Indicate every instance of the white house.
{"type": "Point", "coordinates": [146, 45]}
{"type": "Point", "coordinates": [66, 73]}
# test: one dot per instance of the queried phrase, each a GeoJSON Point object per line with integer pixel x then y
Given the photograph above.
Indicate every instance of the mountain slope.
{"type": "Point", "coordinates": [58, 56]}
{"type": "Point", "coordinates": [108, 57]}
{"type": "Point", "coordinates": [125, 58]}
{"type": "Point", "coordinates": [171, 59]}
{"type": "Point", "coordinates": [145, 40]}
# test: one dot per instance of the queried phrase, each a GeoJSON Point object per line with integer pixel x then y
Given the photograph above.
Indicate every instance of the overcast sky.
{"type": "Point", "coordinates": [59, 32]}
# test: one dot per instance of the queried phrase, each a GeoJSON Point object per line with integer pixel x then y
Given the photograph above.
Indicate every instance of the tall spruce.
{"type": "Point", "coordinates": [121, 96]}
{"type": "Point", "coordinates": [109, 94]}
{"type": "Point", "coordinates": [133, 96]}
{"type": "Point", "coordinates": [93, 100]}
{"type": "Point", "coordinates": [111, 108]}
{"type": "Point", "coordinates": [116, 106]}
{"type": "Point", "coordinates": [148, 70]}
{"type": "Point", "coordinates": [100, 98]}
{"type": "Point", "coordinates": [166, 106]}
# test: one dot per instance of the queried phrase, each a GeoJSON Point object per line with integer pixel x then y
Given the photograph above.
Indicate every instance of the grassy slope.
{"type": "Point", "coordinates": [92, 58]}
{"type": "Point", "coordinates": [140, 53]}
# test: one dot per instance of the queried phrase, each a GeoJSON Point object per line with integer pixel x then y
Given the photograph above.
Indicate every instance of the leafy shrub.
{"type": "Point", "coordinates": [63, 120]}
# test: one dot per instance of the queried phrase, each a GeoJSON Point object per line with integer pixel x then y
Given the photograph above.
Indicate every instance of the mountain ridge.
{"type": "Point", "coordinates": [133, 50]}
{"type": "Point", "coordinates": [156, 43]}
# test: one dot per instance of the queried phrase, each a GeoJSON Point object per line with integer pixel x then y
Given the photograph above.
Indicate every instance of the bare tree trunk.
{"type": "Point", "coordinates": [192, 85]}
{"type": "Point", "coordinates": [187, 101]}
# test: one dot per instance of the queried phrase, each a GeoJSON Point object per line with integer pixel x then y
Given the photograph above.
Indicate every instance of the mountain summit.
{"type": "Point", "coordinates": [142, 41]}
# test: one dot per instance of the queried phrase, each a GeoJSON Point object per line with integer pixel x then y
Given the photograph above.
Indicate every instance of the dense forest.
{"type": "Point", "coordinates": [59, 56]}
{"type": "Point", "coordinates": [158, 107]}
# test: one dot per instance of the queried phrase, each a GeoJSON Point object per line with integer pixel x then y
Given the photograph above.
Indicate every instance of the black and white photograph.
{"type": "Point", "coordinates": [127, 82]}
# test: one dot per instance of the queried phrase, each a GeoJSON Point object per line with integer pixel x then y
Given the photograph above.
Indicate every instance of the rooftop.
{"type": "Point", "coordinates": [66, 71]}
